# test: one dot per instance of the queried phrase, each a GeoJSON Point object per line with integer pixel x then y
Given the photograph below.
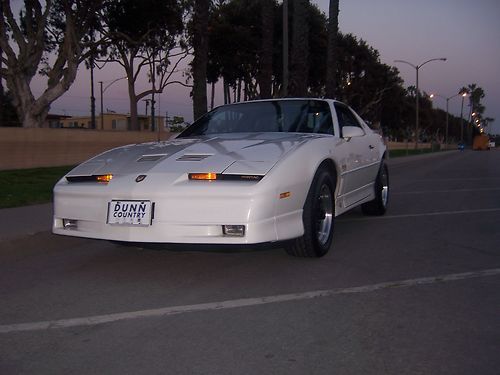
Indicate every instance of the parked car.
{"type": "Point", "coordinates": [247, 173]}
{"type": "Point", "coordinates": [492, 143]}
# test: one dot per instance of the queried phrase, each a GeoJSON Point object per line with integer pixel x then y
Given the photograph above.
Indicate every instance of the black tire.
{"type": "Point", "coordinates": [378, 206]}
{"type": "Point", "coordinates": [318, 218]}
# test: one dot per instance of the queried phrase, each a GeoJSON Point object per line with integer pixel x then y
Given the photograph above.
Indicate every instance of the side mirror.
{"type": "Point", "coordinates": [352, 131]}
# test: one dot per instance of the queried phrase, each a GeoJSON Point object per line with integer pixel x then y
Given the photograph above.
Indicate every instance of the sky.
{"type": "Point", "coordinates": [466, 32]}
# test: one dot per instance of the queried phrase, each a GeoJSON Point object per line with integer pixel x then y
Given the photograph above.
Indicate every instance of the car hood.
{"type": "Point", "coordinates": [240, 153]}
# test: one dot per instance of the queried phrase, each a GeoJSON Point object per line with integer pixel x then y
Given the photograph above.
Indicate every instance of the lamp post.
{"type": "Point", "coordinates": [447, 111]}
{"type": "Point", "coordinates": [102, 96]}
{"type": "Point", "coordinates": [417, 68]}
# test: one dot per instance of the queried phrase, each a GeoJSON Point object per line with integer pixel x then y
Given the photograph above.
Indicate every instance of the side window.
{"type": "Point", "coordinates": [321, 121]}
{"type": "Point", "coordinates": [312, 117]}
{"type": "Point", "coordinates": [345, 117]}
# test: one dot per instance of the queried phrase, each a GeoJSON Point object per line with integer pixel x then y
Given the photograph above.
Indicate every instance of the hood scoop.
{"type": "Point", "coordinates": [152, 157]}
{"type": "Point", "coordinates": [193, 157]}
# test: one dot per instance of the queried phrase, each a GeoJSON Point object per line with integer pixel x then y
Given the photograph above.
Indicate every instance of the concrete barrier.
{"type": "Point", "coordinates": [38, 147]}
{"type": "Point", "coordinates": [22, 148]}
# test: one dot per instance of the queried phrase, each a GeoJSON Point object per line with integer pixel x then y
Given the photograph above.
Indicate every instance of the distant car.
{"type": "Point", "coordinates": [245, 173]}
{"type": "Point", "coordinates": [492, 144]}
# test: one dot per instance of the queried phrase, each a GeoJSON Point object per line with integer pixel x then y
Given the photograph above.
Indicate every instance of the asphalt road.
{"type": "Point", "coordinates": [414, 292]}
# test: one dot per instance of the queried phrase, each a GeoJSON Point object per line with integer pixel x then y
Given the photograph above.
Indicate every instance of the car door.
{"type": "Point", "coordinates": [356, 159]}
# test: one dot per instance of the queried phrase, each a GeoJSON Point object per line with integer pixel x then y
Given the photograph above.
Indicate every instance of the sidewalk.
{"type": "Point", "coordinates": [27, 220]}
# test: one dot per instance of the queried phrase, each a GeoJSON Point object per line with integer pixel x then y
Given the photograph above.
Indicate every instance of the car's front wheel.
{"type": "Point", "coordinates": [318, 217]}
{"type": "Point", "coordinates": [378, 206]}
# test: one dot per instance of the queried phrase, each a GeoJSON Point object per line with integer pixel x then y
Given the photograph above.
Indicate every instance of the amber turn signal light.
{"type": "Point", "coordinates": [203, 176]}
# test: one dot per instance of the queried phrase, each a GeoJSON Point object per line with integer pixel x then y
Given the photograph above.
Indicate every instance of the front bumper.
{"type": "Point", "coordinates": [189, 212]}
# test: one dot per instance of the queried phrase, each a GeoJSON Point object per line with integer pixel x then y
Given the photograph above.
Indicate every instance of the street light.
{"type": "Point", "coordinates": [417, 68]}
{"type": "Point", "coordinates": [447, 112]}
{"type": "Point", "coordinates": [102, 93]}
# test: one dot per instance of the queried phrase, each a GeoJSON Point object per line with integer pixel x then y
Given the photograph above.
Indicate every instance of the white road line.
{"type": "Point", "coordinates": [238, 303]}
{"type": "Point", "coordinates": [456, 179]}
{"type": "Point", "coordinates": [443, 191]}
{"type": "Point", "coordinates": [404, 216]}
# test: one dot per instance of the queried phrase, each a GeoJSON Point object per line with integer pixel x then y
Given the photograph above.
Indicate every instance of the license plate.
{"type": "Point", "coordinates": [129, 212]}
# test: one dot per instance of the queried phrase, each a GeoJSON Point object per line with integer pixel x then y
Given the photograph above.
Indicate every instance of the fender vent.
{"type": "Point", "coordinates": [193, 157]}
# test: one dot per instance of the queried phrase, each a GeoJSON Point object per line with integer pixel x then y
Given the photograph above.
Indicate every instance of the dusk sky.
{"type": "Point", "coordinates": [466, 32]}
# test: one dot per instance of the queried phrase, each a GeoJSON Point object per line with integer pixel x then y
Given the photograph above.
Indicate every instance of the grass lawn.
{"type": "Point", "coordinates": [410, 151]}
{"type": "Point", "coordinates": [23, 187]}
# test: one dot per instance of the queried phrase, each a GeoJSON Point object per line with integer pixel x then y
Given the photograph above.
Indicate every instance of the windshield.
{"type": "Point", "coordinates": [293, 116]}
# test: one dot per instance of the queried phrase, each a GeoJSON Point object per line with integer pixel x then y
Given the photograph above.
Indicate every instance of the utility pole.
{"type": "Point", "coordinates": [153, 95]}
{"type": "Point", "coordinates": [166, 124]}
{"type": "Point", "coordinates": [102, 109]}
{"type": "Point", "coordinates": [92, 97]}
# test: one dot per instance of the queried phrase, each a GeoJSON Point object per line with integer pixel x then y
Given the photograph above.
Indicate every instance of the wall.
{"type": "Point", "coordinates": [31, 148]}
{"type": "Point", "coordinates": [121, 121]}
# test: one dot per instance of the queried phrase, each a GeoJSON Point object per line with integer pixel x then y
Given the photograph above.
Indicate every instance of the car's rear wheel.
{"type": "Point", "coordinates": [378, 206]}
{"type": "Point", "coordinates": [318, 217]}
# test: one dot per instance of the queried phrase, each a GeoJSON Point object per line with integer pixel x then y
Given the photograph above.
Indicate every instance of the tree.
{"type": "Point", "coordinates": [1, 79]}
{"type": "Point", "coordinates": [234, 45]}
{"type": "Point", "coordinates": [364, 82]}
{"type": "Point", "coordinates": [145, 35]}
{"type": "Point", "coordinates": [200, 60]}
{"type": "Point", "coordinates": [265, 77]}
{"type": "Point", "coordinates": [475, 94]}
{"type": "Point", "coordinates": [331, 58]}
{"type": "Point", "coordinates": [59, 28]}
{"type": "Point", "coordinates": [299, 69]}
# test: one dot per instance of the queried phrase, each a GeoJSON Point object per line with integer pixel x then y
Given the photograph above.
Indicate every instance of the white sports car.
{"type": "Point", "coordinates": [246, 173]}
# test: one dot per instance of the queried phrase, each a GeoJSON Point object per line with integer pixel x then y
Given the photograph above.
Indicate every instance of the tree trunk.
{"type": "Point", "coordinates": [32, 120]}
{"type": "Point", "coordinates": [239, 91]}
{"type": "Point", "coordinates": [33, 113]}
{"type": "Point", "coordinates": [212, 96]}
{"type": "Point", "coordinates": [1, 79]}
{"type": "Point", "coordinates": [200, 44]}
{"type": "Point", "coordinates": [265, 76]}
{"type": "Point", "coordinates": [300, 47]}
{"type": "Point", "coordinates": [331, 58]}
{"type": "Point", "coordinates": [227, 93]}
{"type": "Point", "coordinates": [134, 121]}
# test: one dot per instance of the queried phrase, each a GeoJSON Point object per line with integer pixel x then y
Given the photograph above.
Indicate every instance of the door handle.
{"type": "Point", "coordinates": [371, 147]}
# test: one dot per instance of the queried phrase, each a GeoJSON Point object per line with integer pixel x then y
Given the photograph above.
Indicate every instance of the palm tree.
{"type": "Point", "coordinates": [299, 69]}
{"type": "Point", "coordinates": [266, 54]}
{"type": "Point", "coordinates": [199, 65]}
{"type": "Point", "coordinates": [331, 59]}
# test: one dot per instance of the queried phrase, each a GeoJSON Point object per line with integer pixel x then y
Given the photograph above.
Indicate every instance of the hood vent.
{"type": "Point", "coordinates": [193, 157]}
{"type": "Point", "coordinates": [154, 157]}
